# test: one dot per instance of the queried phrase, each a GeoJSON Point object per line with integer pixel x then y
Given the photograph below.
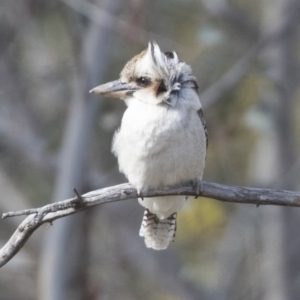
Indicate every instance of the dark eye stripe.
{"type": "Point", "coordinates": [162, 88]}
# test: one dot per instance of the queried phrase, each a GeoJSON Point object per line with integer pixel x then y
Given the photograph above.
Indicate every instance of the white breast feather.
{"type": "Point", "coordinates": [158, 146]}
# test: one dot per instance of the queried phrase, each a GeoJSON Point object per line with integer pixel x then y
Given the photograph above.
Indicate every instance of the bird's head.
{"type": "Point", "coordinates": [152, 77]}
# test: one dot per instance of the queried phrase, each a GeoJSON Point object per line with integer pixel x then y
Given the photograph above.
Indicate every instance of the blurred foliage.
{"type": "Point", "coordinates": [201, 218]}
{"type": "Point", "coordinates": [230, 138]}
{"type": "Point", "coordinates": [199, 227]}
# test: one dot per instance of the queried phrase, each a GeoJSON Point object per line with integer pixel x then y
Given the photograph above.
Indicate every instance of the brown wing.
{"type": "Point", "coordinates": [201, 116]}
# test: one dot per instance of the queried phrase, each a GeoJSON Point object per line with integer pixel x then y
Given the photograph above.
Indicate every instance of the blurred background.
{"type": "Point", "coordinates": [55, 136]}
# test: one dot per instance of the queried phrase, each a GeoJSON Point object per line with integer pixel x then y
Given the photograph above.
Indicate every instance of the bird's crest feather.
{"type": "Point", "coordinates": [171, 70]}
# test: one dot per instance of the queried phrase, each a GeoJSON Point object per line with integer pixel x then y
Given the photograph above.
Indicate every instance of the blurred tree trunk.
{"type": "Point", "coordinates": [287, 81]}
{"type": "Point", "coordinates": [281, 67]}
{"type": "Point", "coordinates": [275, 159]}
{"type": "Point", "coordinates": [64, 260]}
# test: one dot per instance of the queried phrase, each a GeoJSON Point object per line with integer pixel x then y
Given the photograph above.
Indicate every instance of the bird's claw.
{"type": "Point", "coordinates": [197, 186]}
{"type": "Point", "coordinates": [140, 194]}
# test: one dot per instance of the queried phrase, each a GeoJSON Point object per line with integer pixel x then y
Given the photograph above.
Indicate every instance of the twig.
{"type": "Point", "coordinates": [235, 74]}
{"type": "Point", "coordinates": [50, 212]}
{"type": "Point", "coordinates": [240, 69]}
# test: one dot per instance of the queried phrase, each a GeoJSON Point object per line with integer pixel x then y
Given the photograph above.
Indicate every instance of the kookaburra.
{"type": "Point", "coordinates": [162, 140]}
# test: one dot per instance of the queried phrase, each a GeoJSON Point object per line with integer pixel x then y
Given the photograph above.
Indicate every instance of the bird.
{"type": "Point", "coordinates": [162, 140]}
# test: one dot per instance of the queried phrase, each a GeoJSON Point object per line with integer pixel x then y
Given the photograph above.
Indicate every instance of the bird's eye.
{"type": "Point", "coordinates": [143, 81]}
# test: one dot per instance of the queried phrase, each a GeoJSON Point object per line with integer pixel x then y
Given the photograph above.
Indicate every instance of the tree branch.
{"type": "Point", "coordinates": [50, 212]}
{"type": "Point", "coordinates": [119, 25]}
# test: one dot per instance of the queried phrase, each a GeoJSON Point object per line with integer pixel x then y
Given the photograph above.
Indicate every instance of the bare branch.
{"type": "Point", "coordinates": [120, 26]}
{"type": "Point", "coordinates": [50, 212]}
{"type": "Point", "coordinates": [235, 74]}
{"type": "Point", "coordinates": [240, 69]}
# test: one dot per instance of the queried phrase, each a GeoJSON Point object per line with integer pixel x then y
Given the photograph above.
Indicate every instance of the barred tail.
{"type": "Point", "coordinates": [158, 233]}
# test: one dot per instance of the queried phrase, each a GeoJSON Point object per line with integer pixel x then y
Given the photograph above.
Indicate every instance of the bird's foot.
{"type": "Point", "coordinates": [139, 192]}
{"type": "Point", "coordinates": [197, 186]}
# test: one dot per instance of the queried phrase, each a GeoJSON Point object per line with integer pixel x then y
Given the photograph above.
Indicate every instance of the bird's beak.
{"type": "Point", "coordinates": [115, 89]}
